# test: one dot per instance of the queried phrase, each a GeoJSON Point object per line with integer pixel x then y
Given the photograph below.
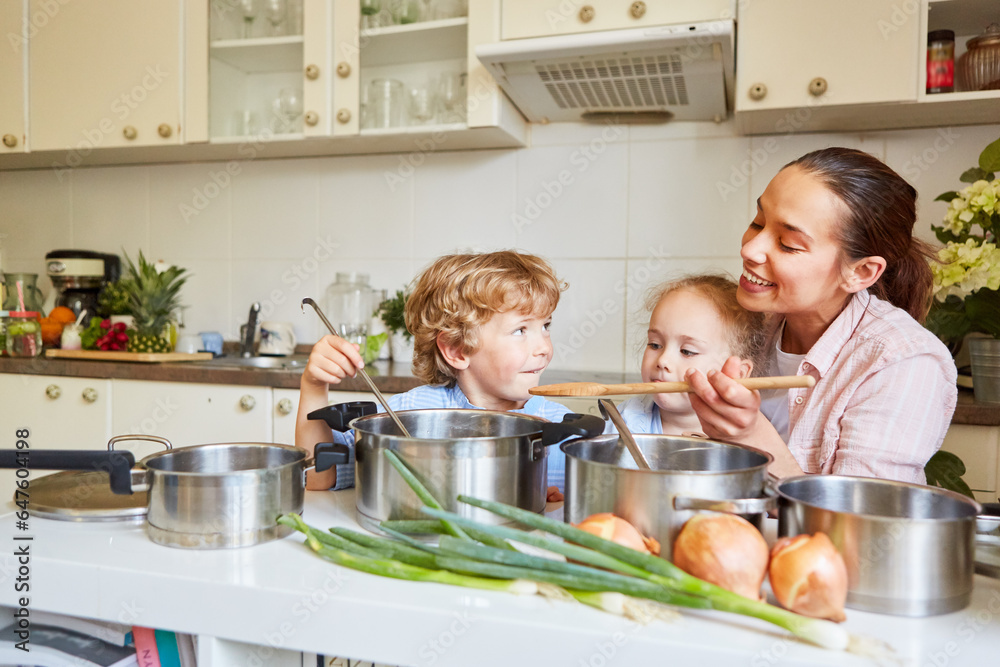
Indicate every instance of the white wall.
{"type": "Point", "coordinates": [637, 204]}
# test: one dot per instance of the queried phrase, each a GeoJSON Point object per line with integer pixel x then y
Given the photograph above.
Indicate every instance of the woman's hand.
{"type": "Point", "coordinates": [331, 360]}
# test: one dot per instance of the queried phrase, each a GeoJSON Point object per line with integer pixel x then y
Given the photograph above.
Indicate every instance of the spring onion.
{"type": "Point", "coordinates": [434, 527]}
{"type": "Point", "coordinates": [422, 492]}
{"type": "Point", "coordinates": [817, 631]}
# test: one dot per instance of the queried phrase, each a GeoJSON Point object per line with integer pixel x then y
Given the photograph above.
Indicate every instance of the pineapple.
{"type": "Point", "coordinates": [153, 296]}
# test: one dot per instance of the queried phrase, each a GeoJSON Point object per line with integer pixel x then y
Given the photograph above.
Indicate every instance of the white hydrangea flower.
{"type": "Point", "coordinates": [964, 268]}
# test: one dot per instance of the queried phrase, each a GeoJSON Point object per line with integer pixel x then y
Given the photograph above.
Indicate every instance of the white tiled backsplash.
{"type": "Point", "coordinates": [615, 209]}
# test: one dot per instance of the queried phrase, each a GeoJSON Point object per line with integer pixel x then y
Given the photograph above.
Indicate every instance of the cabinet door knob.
{"type": "Point", "coordinates": [9, 140]}
{"type": "Point", "coordinates": [312, 72]}
{"type": "Point", "coordinates": [637, 10]}
{"type": "Point", "coordinates": [90, 394]}
{"type": "Point", "coordinates": [53, 391]}
{"type": "Point", "coordinates": [247, 403]}
{"type": "Point", "coordinates": [817, 86]}
{"type": "Point", "coordinates": [164, 130]}
{"type": "Point", "coordinates": [758, 91]}
{"type": "Point", "coordinates": [129, 132]}
{"type": "Point", "coordinates": [285, 406]}
{"type": "Point", "coordinates": [312, 117]}
{"type": "Point", "coordinates": [343, 70]}
{"type": "Point", "coordinates": [586, 14]}
{"type": "Point", "coordinates": [344, 116]}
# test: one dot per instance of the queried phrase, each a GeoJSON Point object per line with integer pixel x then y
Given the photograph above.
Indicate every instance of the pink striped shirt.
{"type": "Point", "coordinates": [884, 395]}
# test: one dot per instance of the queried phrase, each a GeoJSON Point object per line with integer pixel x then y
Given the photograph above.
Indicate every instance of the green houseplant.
{"type": "Point", "coordinates": [967, 273]}
{"type": "Point", "coordinates": [392, 312]}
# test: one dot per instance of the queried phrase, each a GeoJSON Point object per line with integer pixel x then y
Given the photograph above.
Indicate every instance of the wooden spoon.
{"type": "Point", "coordinates": [598, 389]}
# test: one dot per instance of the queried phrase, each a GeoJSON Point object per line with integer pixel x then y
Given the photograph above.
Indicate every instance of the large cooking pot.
{"type": "Point", "coordinates": [909, 548]}
{"type": "Point", "coordinates": [686, 474]}
{"type": "Point", "coordinates": [202, 497]}
{"type": "Point", "coordinates": [492, 455]}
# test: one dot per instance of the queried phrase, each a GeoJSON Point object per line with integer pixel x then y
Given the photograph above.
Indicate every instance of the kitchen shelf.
{"type": "Point", "coordinates": [965, 17]}
{"type": "Point", "coordinates": [232, 139]}
{"type": "Point", "coordinates": [412, 129]}
{"type": "Point", "coordinates": [255, 56]}
{"type": "Point", "coordinates": [416, 42]}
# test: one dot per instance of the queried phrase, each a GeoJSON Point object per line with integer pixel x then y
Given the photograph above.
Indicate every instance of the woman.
{"type": "Point", "coordinates": [831, 257]}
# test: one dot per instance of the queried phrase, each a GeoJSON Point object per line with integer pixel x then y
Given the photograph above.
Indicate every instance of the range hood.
{"type": "Point", "coordinates": [682, 71]}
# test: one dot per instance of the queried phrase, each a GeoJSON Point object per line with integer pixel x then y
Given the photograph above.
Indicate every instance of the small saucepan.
{"type": "Point", "coordinates": [210, 496]}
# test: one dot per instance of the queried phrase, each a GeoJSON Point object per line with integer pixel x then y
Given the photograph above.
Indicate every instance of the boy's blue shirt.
{"type": "Point", "coordinates": [641, 415]}
{"type": "Point", "coordinates": [439, 396]}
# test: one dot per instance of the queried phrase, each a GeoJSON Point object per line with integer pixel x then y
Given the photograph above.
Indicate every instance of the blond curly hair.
{"type": "Point", "coordinates": [457, 294]}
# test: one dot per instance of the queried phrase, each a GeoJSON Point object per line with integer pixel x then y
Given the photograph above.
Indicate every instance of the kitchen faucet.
{"type": "Point", "coordinates": [246, 345]}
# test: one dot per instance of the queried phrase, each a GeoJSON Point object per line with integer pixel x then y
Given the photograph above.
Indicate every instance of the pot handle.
{"type": "Point", "coordinates": [732, 506]}
{"type": "Point", "coordinates": [339, 416]}
{"type": "Point", "coordinates": [151, 438]}
{"type": "Point", "coordinates": [118, 465]}
{"type": "Point", "coordinates": [328, 454]}
{"type": "Point", "coordinates": [573, 425]}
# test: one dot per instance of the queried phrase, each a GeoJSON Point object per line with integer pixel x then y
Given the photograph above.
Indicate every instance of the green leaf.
{"type": "Point", "coordinates": [975, 174]}
{"type": "Point", "coordinates": [989, 159]}
{"type": "Point", "coordinates": [393, 313]}
{"type": "Point", "coordinates": [372, 345]}
{"type": "Point", "coordinates": [948, 321]}
{"type": "Point", "coordinates": [947, 196]}
{"type": "Point", "coordinates": [945, 470]}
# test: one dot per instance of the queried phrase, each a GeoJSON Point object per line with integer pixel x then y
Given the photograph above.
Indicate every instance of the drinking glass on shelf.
{"type": "Point", "coordinates": [422, 104]}
{"type": "Point", "coordinates": [288, 107]}
{"type": "Point", "coordinates": [245, 124]}
{"type": "Point", "coordinates": [385, 99]}
{"type": "Point", "coordinates": [447, 9]}
{"type": "Point", "coordinates": [405, 11]}
{"type": "Point", "coordinates": [294, 17]}
{"type": "Point", "coordinates": [371, 7]}
{"type": "Point", "coordinates": [451, 95]}
{"type": "Point", "coordinates": [249, 9]}
{"type": "Point", "coordinates": [275, 12]}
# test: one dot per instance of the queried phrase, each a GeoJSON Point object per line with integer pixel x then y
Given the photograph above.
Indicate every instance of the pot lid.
{"type": "Point", "coordinates": [84, 495]}
{"type": "Point", "coordinates": [989, 38]}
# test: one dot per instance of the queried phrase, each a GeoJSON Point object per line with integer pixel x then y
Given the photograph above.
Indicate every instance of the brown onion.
{"type": "Point", "coordinates": [725, 550]}
{"type": "Point", "coordinates": [809, 577]}
{"type": "Point", "coordinates": [618, 530]}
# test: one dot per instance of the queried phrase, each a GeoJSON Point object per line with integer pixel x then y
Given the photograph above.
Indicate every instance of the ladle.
{"type": "Point", "coordinates": [361, 371]}
{"type": "Point", "coordinates": [608, 408]}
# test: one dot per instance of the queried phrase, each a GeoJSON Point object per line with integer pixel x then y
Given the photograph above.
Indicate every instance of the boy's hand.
{"type": "Point", "coordinates": [331, 360]}
{"type": "Point", "coordinates": [554, 495]}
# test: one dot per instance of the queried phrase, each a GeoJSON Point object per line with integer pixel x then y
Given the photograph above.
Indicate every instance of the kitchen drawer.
{"type": "Point", "coordinates": [534, 18]}
{"type": "Point", "coordinates": [979, 449]}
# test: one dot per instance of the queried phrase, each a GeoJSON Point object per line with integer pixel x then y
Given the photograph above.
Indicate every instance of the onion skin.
{"type": "Point", "coordinates": [723, 549]}
{"type": "Point", "coordinates": [809, 577]}
{"type": "Point", "coordinates": [620, 531]}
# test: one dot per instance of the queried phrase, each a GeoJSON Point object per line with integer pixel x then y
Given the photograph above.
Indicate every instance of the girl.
{"type": "Point", "coordinates": [695, 323]}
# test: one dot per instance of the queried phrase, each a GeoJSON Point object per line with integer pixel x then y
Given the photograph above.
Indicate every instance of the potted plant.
{"type": "Point", "coordinates": [967, 274]}
{"type": "Point", "coordinates": [392, 312]}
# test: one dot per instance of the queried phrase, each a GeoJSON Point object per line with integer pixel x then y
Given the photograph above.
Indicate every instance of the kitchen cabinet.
{"type": "Point", "coordinates": [192, 414]}
{"type": "Point", "coordinates": [12, 68]}
{"type": "Point", "coordinates": [979, 449]}
{"type": "Point", "coordinates": [59, 413]}
{"type": "Point", "coordinates": [103, 75]}
{"type": "Point", "coordinates": [817, 66]}
{"type": "Point", "coordinates": [534, 18]}
{"type": "Point", "coordinates": [286, 406]}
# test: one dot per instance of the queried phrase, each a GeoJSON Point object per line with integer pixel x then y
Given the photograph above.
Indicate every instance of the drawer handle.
{"type": "Point", "coordinates": [758, 91]}
{"type": "Point", "coordinates": [53, 391]}
{"type": "Point", "coordinates": [817, 86]}
{"type": "Point", "coordinates": [129, 132]}
{"type": "Point", "coordinates": [9, 140]}
{"type": "Point", "coordinates": [343, 69]}
{"type": "Point", "coordinates": [164, 130]}
{"type": "Point", "coordinates": [586, 14]}
{"type": "Point", "coordinates": [247, 403]}
{"type": "Point", "coordinates": [312, 72]}
{"type": "Point", "coordinates": [344, 116]}
{"type": "Point", "coordinates": [285, 406]}
{"type": "Point", "coordinates": [90, 394]}
{"type": "Point", "coordinates": [637, 10]}
{"type": "Point", "coordinates": [312, 118]}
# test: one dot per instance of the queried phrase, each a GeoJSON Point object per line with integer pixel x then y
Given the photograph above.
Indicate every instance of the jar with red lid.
{"type": "Point", "coordinates": [24, 334]}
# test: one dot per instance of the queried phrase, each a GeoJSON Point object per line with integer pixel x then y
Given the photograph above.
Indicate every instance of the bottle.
{"type": "Point", "coordinates": [349, 306]}
{"type": "Point", "coordinates": [24, 334]}
{"type": "Point", "coordinates": [940, 61]}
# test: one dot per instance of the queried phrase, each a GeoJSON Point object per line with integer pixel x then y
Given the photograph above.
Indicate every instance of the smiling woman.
{"type": "Point", "coordinates": [830, 256]}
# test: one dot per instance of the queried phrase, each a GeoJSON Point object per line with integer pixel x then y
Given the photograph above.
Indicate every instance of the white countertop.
{"type": "Point", "coordinates": [281, 594]}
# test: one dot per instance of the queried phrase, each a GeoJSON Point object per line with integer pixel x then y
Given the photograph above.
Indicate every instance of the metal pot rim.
{"type": "Point", "coordinates": [644, 436]}
{"type": "Point", "coordinates": [382, 416]}
{"type": "Point", "coordinates": [974, 507]}
{"type": "Point", "coordinates": [252, 471]}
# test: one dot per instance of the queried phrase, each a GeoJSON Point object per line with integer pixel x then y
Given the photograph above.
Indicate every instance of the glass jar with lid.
{"type": "Point", "coordinates": [979, 67]}
{"type": "Point", "coordinates": [24, 334]}
{"type": "Point", "coordinates": [350, 302]}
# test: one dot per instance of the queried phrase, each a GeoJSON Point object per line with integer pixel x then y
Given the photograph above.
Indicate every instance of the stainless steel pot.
{"type": "Point", "coordinates": [909, 549]}
{"type": "Point", "coordinates": [203, 497]}
{"type": "Point", "coordinates": [687, 474]}
{"type": "Point", "coordinates": [492, 455]}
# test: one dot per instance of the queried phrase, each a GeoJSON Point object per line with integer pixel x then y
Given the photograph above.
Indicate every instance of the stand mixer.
{"type": "Point", "coordinates": [78, 277]}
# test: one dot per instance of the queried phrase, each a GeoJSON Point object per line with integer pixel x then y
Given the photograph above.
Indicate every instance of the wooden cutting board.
{"type": "Point", "coordinates": [137, 357]}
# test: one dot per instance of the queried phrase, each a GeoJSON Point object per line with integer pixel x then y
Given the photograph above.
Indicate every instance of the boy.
{"type": "Point", "coordinates": [480, 325]}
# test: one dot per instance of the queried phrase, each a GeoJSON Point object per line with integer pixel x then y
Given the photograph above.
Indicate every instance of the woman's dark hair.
{"type": "Point", "coordinates": [882, 208]}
